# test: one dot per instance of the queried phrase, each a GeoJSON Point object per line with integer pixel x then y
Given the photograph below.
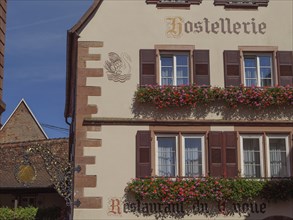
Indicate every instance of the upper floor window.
{"type": "Point", "coordinates": [258, 70]}
{"type": "Point", "coordinates": [258, 66]}
{"type": "Point", "coordinates": [174, 3]}
{"type": "Point", "coordinates": [251, 4]}
{"type": "Point", "coordinates": [174, 69]}
{"type": "Point", "coordinates": [174, 65]}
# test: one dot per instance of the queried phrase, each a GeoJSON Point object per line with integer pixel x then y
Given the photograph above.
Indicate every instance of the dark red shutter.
{"type": "Point", "coordinates": [232, 68]}
{"type": "Point", "coordinates": [147, 67]}
{"type": "Point", "coordinates": [201, 70]}
{"type": "Point", "coordinates": [230, 151]}
{"type": "Point", "coordinates": [143, 154]}
{"type": "Point", "coordinates": [285, 67]}
{"type": "Point", "coordinates": [215, 154]}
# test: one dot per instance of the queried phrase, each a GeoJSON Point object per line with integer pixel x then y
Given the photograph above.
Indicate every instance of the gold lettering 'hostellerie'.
{"type": "Point", "coordinates": [174, 27]}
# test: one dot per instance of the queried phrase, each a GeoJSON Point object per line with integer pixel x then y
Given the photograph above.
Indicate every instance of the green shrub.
{"type": "Point", "coordinates": [27, 213]}
{"type": "Point", "coordinates": [6, 214]}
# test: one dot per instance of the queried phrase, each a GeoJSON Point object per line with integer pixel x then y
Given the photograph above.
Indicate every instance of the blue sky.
{"type": "Point", "coordinates": [35, 57]}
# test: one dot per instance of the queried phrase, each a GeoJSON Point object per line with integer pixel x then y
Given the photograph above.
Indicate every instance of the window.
{"type": "Point", "coordinates": [251, 157]}
{"type": "Point", "coordinates": [258, 66]}
{"type": "Point", "coordinates": [251, 4]}
{"type": "Point", "coordinates": [174, 3]}
{"type": "Point", "coordinates": [174, 69]}
{"type": "Point", "coordinates": [167, 156]}
{"type": "Point", "coordinates": [276, 157]}
{"type": "Point", "coordinates": [193, 156]}
{"type": "Point", "coordinates": [27, 200]}
{"type": "Point", "coordinates": [180, 159]}
{"type": "Point", "coordinates": [258, 70]}
{"type": "Point", "coordinates": [174, 65]}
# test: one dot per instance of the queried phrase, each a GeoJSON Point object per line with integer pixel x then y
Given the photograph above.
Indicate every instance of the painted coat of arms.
{"type": "Point", "coordinates": [118, 67]}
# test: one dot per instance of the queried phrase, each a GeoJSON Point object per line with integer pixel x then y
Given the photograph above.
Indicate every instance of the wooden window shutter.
{"type": "Point", "coordinates": [285, 67]}
{"type": "Point", "coordinates": [143, 154]}
{"type": "Point", "coordinates": [201, 67]}
{"type": "Point", "coordinates": [230, 151]}
{"type": "Point", "coordinates": [232, 68]}
{"type": "Point", "coordinates": [215, 154]}
{"type": "Point", "coordinates": [147, 67]}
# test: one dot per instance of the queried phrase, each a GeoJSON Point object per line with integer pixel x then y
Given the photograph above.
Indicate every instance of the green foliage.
{"type": "Point", "coordinates": [6, 214]}
{"type": "Point", "coordinates": [30, 213]}
{"type": "Point", "coordinates": [27, 213]}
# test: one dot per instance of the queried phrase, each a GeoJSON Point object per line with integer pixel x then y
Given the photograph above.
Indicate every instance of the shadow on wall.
{"type": "Point", "coordinates": [215, 111]}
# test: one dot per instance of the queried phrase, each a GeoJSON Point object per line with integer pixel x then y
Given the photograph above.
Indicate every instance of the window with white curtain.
{"type": "Point", "coordinates": [174, 69]}
{"type": "Point", "coordinates": [278, 155]}
{"type": "Point", "coordinates": [189, 153]}
{"type": "Point", "coordinates": [251, 156]}
{"type": "Point", "coordinates": [167, 155]}
{"type": "Point", "coordinates": [193, 156]}
{"type": "Point", "coordinates": [275, 151]}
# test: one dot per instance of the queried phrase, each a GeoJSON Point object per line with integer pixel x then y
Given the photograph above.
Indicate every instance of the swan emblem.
{"type": "Point", "coordinates": [118, 67]}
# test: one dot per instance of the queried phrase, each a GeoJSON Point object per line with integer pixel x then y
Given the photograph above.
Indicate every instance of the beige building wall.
{"type": "Point", "coordinates": [106, 153]}
{"type": "Point", "coordinates": [128, 26]}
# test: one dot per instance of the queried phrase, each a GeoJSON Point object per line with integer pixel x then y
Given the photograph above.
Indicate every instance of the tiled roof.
{"type": "Point", "coordinates": [12, 156]}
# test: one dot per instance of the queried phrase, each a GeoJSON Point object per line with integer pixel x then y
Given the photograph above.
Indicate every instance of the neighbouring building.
{"type": "Point", "coordinates": [26, 156]}
{"type": "Point", "coordinates": [193, 88]}
{"type": "Point", "coordinates": [3, 4]}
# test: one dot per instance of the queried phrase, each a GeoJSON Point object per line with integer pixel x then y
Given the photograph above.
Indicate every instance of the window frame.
{"type": "Point", "coordinates": [257, 56]}
{"type": "Point", "coordinates": [171, 49]}
{"type": "Point", "coordinates": [203, 153]}
{"type": "Point", "coordinates": [246, 4]}
{"type": "Point", "coordinates": [157, 151]}
{"type": "Point", "coordinates": [174, 55]}
{"type": "Point", "coordinates": [172, 4]}
{"type": "Point", "coordinates": [252, 136]}
{"type": "Point", "coordinates": [268, 164]}
{"type": "Point", "coordinates": [180, 152]}
{"type": "Point", "coordinates": [260, 50]}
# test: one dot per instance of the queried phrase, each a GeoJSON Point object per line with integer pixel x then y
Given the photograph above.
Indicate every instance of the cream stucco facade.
{"type": "Point", "coordinates": [106, 119]}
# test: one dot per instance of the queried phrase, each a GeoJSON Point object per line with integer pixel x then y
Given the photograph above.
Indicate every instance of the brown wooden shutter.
{"type": "Point", "coordinates": [232, 68]}
{"type": "Point", "coordinates": [285, 67]}
{"type": "Point", "coordinates": [215, 154]}
{"type": "Point", "coordinates": [230, 151]}
{"type": "Point", "coordinates": [201, 64]}
{"type": "Point", "coordinates": [143, 154]}
{"type": "Point", "coordinates": [147, 67]}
